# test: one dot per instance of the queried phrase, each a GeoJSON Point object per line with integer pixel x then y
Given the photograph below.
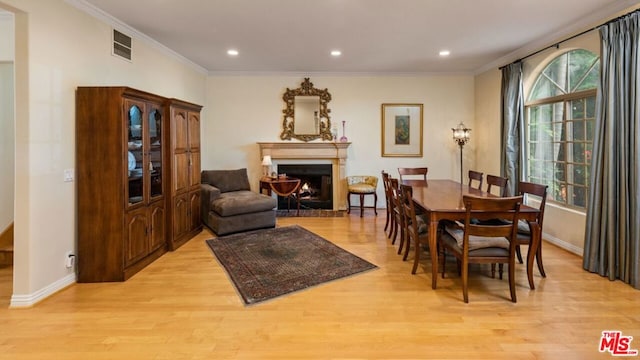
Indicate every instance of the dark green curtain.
{"type": "Point", "coordinates": [512, 131]}
{"type": "Point", "coordinates": [612, 236]}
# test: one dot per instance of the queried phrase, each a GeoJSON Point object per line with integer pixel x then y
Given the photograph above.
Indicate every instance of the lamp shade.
{"type": "Point", "coordinates": [266, 160]}
{"type": "Point", "coordinates": [461, 134]}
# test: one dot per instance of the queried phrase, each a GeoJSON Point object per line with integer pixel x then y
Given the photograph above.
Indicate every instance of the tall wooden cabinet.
{"type": "Point", "coordinates": [184, 205]}
{"type": "Point", "coordinates": [125, 179]}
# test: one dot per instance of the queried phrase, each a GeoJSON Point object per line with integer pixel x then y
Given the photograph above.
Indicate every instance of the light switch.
{"type": "Point", "coordinates": [68, 175]}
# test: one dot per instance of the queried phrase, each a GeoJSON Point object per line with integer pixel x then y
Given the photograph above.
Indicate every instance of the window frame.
{"type": "Point", "coordinates": [568, 162]}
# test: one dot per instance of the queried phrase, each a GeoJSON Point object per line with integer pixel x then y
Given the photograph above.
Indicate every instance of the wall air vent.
{"type": "Point", "coordinates": [121, 45]}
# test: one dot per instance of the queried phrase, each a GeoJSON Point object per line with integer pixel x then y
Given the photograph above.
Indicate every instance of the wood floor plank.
{"type": "Point", "coordinates": [183, 306]}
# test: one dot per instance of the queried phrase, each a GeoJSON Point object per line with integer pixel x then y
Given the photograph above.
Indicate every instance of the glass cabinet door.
{"type": "Point", "coordinates": [135, 155]}
{"type": "Point", "coordinates": [155, 150]}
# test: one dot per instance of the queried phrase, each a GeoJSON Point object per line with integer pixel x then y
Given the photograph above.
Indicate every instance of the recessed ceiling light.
{"type": "Point", "coordinates": [336, 52]}
{"type": "Point", "coordinates": [232, 52]}
{"type": "Point", "coordinates": [444, 52]}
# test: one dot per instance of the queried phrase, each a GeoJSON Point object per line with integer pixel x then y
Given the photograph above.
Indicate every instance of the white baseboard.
{"type": "Point", "coordinates": [563, 244]}
{"type": "Point", "coordinates": [20, 301]}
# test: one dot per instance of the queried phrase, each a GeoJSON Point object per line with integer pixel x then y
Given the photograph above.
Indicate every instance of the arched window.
{"type": "Point", "coordinates": [560, 113]}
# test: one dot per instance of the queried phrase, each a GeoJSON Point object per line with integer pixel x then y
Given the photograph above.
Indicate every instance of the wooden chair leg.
{"type": "Point", "coordinates": [465, 281]}
{"type": "Point", "coordinates": [392, 227]}
{"type": "Point", "coordinates": [375, 203]}
{"type": "Point", "coordinates": [539, 261]}
{"type": "Point", "coordinates": [512, 281]}
{"type": "Point", "coordinates": [519, 254]}
{"type": "Point", "coordinates": [348, 203]}
{"type": "Point", "coordinates": [361, 204]}
{"type": "Point", "coordinates": [408, 247]}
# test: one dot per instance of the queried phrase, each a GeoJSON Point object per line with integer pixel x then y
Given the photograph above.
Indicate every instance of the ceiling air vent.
{"type": "Point", "coordinates": [121, 45]}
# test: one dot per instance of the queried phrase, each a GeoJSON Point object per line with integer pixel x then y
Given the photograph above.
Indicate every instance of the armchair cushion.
{"type": "Point", "coordinates": [362, 184]}
{"type": "Point", "coordinates": [227, 180]}
{"type": "Point", "coordinates": [241, 202]}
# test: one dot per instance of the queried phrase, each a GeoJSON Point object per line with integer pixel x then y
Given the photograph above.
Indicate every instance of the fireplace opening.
{"type": "Point", "coordinates": [316, 188]}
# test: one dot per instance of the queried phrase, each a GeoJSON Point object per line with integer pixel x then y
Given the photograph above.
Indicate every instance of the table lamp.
{"type": "Point", "coordinates": [266, 165]}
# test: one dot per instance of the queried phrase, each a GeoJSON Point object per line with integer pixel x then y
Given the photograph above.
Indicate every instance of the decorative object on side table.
{"type": "Point", "coordinates": [343, 138]}
{"type": "Point", "coordinates": [461, 137]}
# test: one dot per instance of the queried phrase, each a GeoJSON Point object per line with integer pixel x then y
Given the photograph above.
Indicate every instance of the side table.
{"type": "Point", "coordinates": [283, 186]}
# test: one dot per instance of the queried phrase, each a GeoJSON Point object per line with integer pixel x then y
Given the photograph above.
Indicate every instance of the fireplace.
{"type": "Point", "coordinates": [316, 189]}
{"type": "Point", "coordinates": [314, 152]}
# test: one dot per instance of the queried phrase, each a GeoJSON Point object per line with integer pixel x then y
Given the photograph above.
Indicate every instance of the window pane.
{"type": "Point", "coordinates": [579, 174]}
{"type": "Point", "coordinates": [578, 196]}
{"type": "Point", "coordinates": [578, 130]}
{"type": "Point", "coordinates": [576, 109]}
{"type": "Point", "coordinates": [591, 80]}
{"type": "Point", "coordinates": [591, 107]}
{"type": "Point", "coordinates": [556, 71]}
{"type": "Point", "coordinates": [578, 152]}
{"type": "Point", "coordinates": [589, 125]}
{"type": "Point", "coordinates": [580, 62]}
{"type": "Point", "coordinates": [544, 88]}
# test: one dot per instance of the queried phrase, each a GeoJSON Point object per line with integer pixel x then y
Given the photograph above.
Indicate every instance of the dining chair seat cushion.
{"type": "Point", "coordinates": [362, 188]}
{"type": "Point", "coordinates": [422, 224]}
{"type": "Point", "coordinates": [476, 242]}
{"type": "Point", "coordinates": [452, 243]}
{"type": "Point", "coordinates": [523, 227]}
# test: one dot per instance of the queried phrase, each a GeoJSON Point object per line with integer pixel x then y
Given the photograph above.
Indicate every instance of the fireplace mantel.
{"type": "Point", "coordinates": [336, 152]}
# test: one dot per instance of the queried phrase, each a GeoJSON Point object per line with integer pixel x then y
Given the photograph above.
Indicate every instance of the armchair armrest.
{"type": "Point", "coordinates": [208, 194]}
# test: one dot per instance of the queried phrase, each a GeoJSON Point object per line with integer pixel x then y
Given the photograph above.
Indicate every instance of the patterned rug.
{"type": "Point", "coordinates": [264, 264]}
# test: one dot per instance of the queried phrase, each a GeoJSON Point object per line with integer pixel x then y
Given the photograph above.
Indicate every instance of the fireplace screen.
{"type": "Point", "coordinates": [316, 190]}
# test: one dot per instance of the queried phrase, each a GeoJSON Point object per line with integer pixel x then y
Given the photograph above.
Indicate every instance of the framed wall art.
{"type": "Point", "coordinates": [402, 130]}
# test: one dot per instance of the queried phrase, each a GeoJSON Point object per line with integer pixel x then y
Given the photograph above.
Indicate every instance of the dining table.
{"type": "Point", "coordinates": [443, 200]}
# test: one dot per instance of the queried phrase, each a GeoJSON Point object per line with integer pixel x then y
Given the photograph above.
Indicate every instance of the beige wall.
{"type": "Point", "coordinates": [58, 48]}
{"type": "Point", "coordinates": [245, 110]}
{"type": "Point", "coordinates": [7, 136]}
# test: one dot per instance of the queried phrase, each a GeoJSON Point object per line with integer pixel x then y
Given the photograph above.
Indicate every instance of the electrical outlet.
{"type": "Point", "coordinates": [68, 175]}
{"type": "Point", "coordinates": [70, 260]}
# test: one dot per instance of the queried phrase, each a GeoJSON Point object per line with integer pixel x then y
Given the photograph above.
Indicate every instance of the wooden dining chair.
{"type": "Point", "coordinates": [416, 229]}
{"type": "Point", "coordinates": [524, 232]}
{"type": "Point", "coordinates": [475, 176]}
{"type": "Point", "coordinates": [399, 225]}
{"type": "Point", "coordinates": [390, 219]}
{"type": "Point", "coordinates": [499, 182]}
{"type": "Point", "coordinates": [483, 244]}
{"type": "Point", "coordinates": [419, 173]}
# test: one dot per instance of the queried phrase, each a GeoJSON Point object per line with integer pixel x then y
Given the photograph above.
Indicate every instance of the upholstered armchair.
{"type": "Point", "coordinates": [362, 185]}
{"type": "Point", "coordinates": [228, 205]}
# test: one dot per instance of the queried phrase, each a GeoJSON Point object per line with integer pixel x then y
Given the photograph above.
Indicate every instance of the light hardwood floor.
{"type": "Point", "coordinates": [184, 307]}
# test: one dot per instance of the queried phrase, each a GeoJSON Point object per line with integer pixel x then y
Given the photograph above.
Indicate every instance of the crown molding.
{"type": "Point", "coordinates": [133, 32]}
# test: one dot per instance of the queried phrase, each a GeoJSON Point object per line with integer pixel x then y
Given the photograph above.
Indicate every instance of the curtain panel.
{"type": "Point", "coordinates": [612, 234]}
{"type": "Point", "coordinates": [512, 130]}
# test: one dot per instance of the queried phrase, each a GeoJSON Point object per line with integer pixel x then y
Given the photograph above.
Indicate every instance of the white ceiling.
{"type": "Point", "coordinates": [375, 36]}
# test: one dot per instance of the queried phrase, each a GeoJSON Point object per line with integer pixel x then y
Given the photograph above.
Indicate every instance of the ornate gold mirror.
{"type": "Point", "coordinates": [306, 116]}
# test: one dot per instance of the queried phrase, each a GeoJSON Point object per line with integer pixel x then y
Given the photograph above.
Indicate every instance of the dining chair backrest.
{"type": "Point", "coordinates": [477, 177]}
{"type": "Point", "coordinates": [409, 212]}
{"type": "Point", "coordinates": [529, 188]}
{"type": "Point", "coordinates": [486, 208]}
{"type": "Point", "coordinates": [497, 181]}
{"type": "Point", "coordinates": [409, 173]}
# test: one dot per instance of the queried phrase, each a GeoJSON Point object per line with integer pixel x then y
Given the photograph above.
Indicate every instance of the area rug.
{"type": "Point", "coordinates": [264, 264]}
